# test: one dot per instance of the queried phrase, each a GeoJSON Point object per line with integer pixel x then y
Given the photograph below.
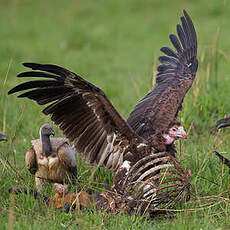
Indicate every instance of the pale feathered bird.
{"type": "Point", "coordinates": [51, 159]}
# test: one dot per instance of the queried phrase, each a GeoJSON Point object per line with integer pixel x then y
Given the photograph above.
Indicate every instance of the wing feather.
{"type": "Point", "coordinates": [83, 112]}
{"type": "Point", "coordinates": [176, 73]}
{"type": "Point", "coordinates": [168, 51]}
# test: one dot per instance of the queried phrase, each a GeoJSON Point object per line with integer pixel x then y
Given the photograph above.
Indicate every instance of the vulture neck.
{"type": "Point", "coordinates": [168, 139]}
{"type": "Point", "coordinates": [46, 145]}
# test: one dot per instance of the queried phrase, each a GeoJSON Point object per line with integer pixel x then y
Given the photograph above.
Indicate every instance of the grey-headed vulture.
{"type": "Point", "coordinates": [51, 159]}
{"type": "Point", "coordinates": [102, 136]}
{"type": "Point", "coordinates": [153, 118]}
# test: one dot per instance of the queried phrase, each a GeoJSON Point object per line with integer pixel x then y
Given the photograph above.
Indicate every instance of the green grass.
{"type": "Point", "coordinates": [115, 45]}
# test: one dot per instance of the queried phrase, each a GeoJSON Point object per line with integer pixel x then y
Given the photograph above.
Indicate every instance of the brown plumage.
{"type": "Point", "coordinates": [57, 164]}
{"type": "Point", "coordinates": [156, 181]}
{"type": "Point", "coordinates": [85, 115]}
{"type": "Point", "coordinates": [100, 134]}
{"type": "Point", "coordinates": [157, 111]}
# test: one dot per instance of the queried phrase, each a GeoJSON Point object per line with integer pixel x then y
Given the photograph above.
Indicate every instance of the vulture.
{"type": "Point", "coordinates": [154, 117]}
{"type": "Point", "coordinates": [51, 159]}
{"type": "Point", "coordinates": [3, 137]}
{"type": "Point", "coordinates": [101, 135]}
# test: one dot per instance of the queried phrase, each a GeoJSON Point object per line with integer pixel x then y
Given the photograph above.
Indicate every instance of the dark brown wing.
{"type": "Point", "coordinates": [154, 113]}
{"type": "Point", "coordinates": [84, 114]}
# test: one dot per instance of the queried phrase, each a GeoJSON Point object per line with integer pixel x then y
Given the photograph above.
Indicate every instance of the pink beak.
{"type": "Point", "coordinates": [184, 135]}
{"type": "Point", "coordinates": [181, 133]}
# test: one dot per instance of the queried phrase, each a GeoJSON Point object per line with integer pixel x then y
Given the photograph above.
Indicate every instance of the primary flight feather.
{"type": "Point", "coordinates": [84, 114]}
{"type": "Point", "coordinates": [155, 114]}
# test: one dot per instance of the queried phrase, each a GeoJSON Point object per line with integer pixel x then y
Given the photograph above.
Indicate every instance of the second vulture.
{"type": "Point", "coordinates": [51, 159]}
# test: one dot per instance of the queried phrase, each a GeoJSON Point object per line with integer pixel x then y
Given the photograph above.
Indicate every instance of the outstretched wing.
{"type": "Point", "coordinates": [83, 113]}
{"type": "Point", "coordinates": [154, 113]}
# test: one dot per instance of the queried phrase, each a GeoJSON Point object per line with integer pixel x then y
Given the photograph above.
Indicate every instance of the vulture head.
{"type": "Point", "coordinates": [163, 141]}
{"type": "Point", "coordinates": [45, 132]}
{"type": "Point", "coordinates": [3, 137]}
{"type": "Point", "coordinates": [175, 132]}
{"type": "Point", "coordinates": [224, 122]}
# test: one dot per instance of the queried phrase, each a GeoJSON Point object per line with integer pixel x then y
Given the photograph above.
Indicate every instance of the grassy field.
{"type": "Point", "coordinates": [115, 45]}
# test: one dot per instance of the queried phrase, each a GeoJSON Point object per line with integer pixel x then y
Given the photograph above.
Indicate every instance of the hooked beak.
{"type": "Point", "coordinates": [181, 133]}
{"type": "Point", "coordinates": [225, 122]}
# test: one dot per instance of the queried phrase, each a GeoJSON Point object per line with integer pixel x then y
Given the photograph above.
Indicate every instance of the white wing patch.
{"type": "Point", "coordinates": [141, 145]}
{"type": "Point", "coordinates": [126, 165]}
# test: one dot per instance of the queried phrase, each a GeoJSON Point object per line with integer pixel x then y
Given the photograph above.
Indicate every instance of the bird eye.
{"type": "Point", "coordinates": [174, 129]}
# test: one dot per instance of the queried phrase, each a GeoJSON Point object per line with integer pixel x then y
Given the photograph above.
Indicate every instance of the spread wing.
{"type": "Point", "coordinates": [83, 113]}
{"type": "Point", "coordinates": [154, 113]}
